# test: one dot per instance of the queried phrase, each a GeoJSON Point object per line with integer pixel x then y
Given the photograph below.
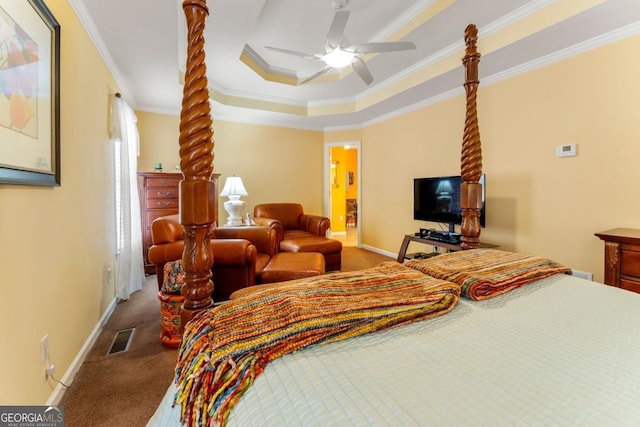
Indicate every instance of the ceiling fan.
{"type": "Point", "coordinates": [338, 53]}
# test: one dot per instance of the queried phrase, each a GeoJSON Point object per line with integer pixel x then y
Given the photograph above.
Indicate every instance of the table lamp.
{"type": "Point", "coordinates": [233, 188]}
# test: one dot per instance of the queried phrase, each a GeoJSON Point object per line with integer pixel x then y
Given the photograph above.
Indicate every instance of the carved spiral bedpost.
{"type": "Point", "coordinates": [197, 189]}
{"type": "Point", "coordinates": [471, 162]}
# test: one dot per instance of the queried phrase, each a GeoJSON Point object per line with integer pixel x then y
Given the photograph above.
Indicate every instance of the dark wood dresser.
{"type": "Point", "coordinates": [158, 197]}
{"type": "Point", "coordinates": [622, 258]}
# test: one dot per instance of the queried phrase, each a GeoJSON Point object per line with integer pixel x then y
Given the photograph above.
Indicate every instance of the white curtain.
{"type": "Point", "coordinates": [124, 136]}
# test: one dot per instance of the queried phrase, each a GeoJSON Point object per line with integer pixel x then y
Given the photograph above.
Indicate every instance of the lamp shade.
{"type": "Point", "coordinates": [233, 187]}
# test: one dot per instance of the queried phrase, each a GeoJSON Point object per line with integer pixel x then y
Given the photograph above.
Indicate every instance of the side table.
{"type": "Point", "coordinates": [622, 258]}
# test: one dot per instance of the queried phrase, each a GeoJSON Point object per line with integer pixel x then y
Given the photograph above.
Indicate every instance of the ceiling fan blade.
{"type": "Point", "coordinates": [293, 52]}
{"type": "Point", "coordinates": [381, 47]}
{"type": "Point", "coordinates": [361, 68]}
{"type": "Point", "coordinates": [336, 30]}
{"type": "Point", "coordinates": [325, 70]}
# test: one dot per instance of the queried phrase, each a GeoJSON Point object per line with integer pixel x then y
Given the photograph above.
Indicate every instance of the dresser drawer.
{"type": "Point", "coordinates": [168, 181]}
{"type": "Point", "coordinates": [630, 263]}
{"type": "Point", "coordinates": [162, 193]}
{"type": "Point", "coordinates": [162, 203]}
{"type": "Point", "coordinates": [629, 284]}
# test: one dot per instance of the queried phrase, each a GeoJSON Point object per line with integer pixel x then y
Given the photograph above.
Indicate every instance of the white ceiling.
{"type": "Point", "coordinates": [143, 43]}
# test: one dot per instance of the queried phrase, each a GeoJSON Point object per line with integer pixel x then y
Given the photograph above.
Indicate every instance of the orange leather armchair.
{"type": "Point", "coordinates": [238, 255]}
{"type": "Point", "coordinates": [289, 220]}
{"type": "Point", "coordinates": [300, 232]}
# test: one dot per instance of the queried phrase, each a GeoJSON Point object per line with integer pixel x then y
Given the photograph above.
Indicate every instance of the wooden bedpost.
{"type": "Point", "coordinates": [197, 189]}
{"type": "Point", "coordinates": [471, 164]}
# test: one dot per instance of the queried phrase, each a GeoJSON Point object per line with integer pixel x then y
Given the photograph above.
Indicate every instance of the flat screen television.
{"type": "Point", "coordinates": [437, 199]}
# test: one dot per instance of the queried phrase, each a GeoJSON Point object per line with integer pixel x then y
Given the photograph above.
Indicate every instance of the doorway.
{"type": "Point", "coordinates": [342, 190]}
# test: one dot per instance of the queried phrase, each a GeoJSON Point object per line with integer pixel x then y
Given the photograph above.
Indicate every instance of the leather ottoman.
{"type": "Point", "coordinates": [329, 248]}
{"type": "Point", "coordinates": [290, 266]}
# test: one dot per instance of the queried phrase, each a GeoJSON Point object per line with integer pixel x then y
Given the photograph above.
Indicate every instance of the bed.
{"type": "Point", "coordinates": [476, 337]}
{"type": "Point", "coordinates": [552, 353]}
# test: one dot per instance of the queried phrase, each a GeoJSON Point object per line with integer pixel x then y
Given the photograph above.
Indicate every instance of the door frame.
{"type": "Point", "coordinates": [327, 179]}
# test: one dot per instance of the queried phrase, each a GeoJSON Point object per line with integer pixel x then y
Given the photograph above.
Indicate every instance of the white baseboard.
{"type": "Point", "coordinates": [71, 372]}
{"type": "Point", "coordinates": [393, 255]}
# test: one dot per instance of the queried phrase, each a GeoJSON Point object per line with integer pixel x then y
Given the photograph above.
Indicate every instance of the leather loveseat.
{"type": "Point", "coordinates": [300, 232]}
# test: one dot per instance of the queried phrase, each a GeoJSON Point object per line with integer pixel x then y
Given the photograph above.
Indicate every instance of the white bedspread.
{"type": "Point", "coordinates": [563, 351]}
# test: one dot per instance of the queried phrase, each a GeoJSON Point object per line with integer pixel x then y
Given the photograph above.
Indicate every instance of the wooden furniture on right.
{"type": "Point", "coordinates": [622, 258]}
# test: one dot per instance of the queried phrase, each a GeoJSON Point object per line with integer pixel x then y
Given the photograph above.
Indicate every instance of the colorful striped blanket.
{"type": "Point", "coordinates": [486, 273]}
{"type": "Point", "coordinates": [224, 349]}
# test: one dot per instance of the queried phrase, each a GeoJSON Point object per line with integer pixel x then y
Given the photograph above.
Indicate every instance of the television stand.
{"type": "Point", "coordinates": [408, 238]}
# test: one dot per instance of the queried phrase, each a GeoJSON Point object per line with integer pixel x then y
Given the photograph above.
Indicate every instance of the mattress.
{"type": "Point", "coordinates": [560, 351]}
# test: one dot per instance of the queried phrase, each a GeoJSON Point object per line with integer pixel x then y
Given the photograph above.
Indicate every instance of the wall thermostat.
{"type": "Point", "coordinates": [566, 150]}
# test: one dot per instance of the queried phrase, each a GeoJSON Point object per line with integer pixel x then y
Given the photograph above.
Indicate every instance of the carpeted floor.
{"type": "Point", "coordinates": [125, 388]}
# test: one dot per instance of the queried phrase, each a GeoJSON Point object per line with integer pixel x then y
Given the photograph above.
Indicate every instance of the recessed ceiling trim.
{"type": "Point", "coordinates": [568, 52]}
{"type": "Point", "coordinates": [277, 74]}
{"type": "Point", "coordinates": [231, 93]}
{"type": "Point", "coordinates": [411, 19]}
{"type": "Point", "coordinates": [407, 22]}
{"type": "Point", "coordinates": [531, 20]}
{"type": "Point", "coordinates": [436, 64]}
{"type": "Point", "coordinates": [571, 51]}
{"type": "Point", "coordinates": [515, 16]}
{"type": "Point", "coordinates": [449, 58]}
{"type": "Point", "coordinates": [599, 41]}
{"type": "Point", "coordinates": [255, 61]}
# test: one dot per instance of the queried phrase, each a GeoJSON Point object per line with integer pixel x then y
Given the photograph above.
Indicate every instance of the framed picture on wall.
{"type": "Point", "coordinates": [29, 94]}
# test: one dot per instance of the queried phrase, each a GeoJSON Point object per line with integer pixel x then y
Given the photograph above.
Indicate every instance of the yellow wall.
{"type": "Point", "coordinates": [351, 159]}
{"type": "Point", "coordinates": [276, 164]}
{"type": "Point", "coordinates": [338, 193]}
{"type": "Point", "coordinates": [56, 242]}
{"type": "Point", "coordinates": [346, 160]}
{"type": "Point", "coordinates": [536, 203]}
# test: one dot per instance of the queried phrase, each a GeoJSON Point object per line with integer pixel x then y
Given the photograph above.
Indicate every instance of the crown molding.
{"type": "Point", "coordinates": [89, 26]}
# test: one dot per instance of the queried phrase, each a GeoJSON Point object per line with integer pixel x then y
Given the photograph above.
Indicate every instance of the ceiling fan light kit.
{"type": "Point", "coordinates": [338, 58]}
{"type": "Point", "coordinates": [337, 55]}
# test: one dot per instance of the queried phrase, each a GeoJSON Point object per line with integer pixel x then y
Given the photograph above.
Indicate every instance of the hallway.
{"type": "Point", "coordinates": [350, 239]}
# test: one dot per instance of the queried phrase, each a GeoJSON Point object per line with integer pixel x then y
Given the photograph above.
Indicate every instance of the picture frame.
{"type": "Point", "coordinates": [29, 94]}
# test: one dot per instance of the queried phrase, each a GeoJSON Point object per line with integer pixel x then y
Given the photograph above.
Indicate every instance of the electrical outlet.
{"type": "Point", "coordinates": [44, 348]}
{"type": "Point", "coordinates": [108, 275]}
{"type": "Point", "coordinates": [51, 369]}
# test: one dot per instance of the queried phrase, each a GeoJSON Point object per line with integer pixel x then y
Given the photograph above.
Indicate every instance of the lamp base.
{"type": "Point", "coordinates": [234, 208]}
